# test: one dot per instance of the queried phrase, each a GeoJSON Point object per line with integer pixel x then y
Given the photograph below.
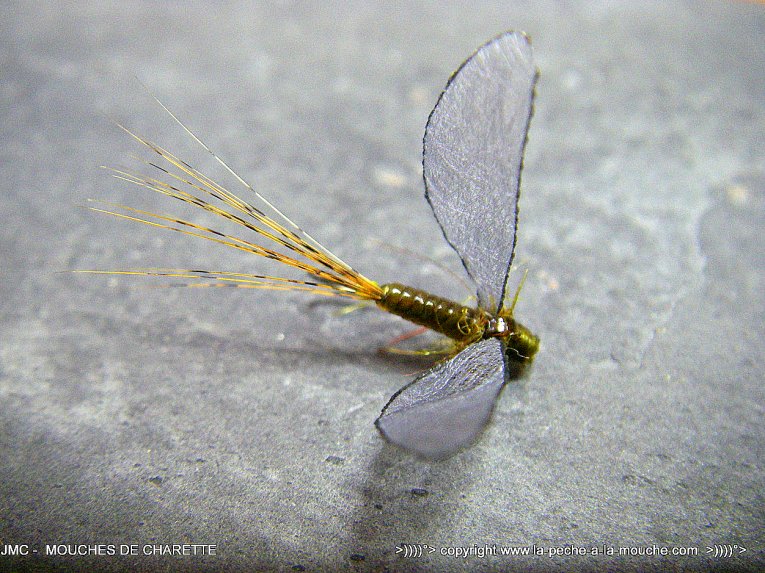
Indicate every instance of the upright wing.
{"type": "Point", "coordinates": [447, 407]}
{"type": "Point", "coordinates": [473, 154]}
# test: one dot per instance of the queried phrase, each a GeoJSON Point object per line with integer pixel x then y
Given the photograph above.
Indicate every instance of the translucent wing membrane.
{"type": "Point", "coordinates": [472, 159]}
{"type": "Point", "coordinates": [446, 408]}
{"type": "Point", "coordinates": [472, 156]}
{"type": "Point", "coordinates": [290, 246]}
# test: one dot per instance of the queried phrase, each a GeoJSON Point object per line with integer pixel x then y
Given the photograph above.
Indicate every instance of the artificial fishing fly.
{"type": "Point", "coordinates": [472, 159]}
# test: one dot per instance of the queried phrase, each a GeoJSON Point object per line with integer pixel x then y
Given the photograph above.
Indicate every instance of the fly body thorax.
{"type": "Point", "coordinates": [520, 343]}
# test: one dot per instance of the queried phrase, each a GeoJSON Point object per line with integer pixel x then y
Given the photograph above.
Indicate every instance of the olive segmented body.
{"type": "Point", "coordinates": [457, 321]}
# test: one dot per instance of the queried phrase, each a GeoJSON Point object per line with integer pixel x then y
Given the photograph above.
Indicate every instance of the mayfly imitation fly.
{"type": "Point", "coordinates": [472, 160]}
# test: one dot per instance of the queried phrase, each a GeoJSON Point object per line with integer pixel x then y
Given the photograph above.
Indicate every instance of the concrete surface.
{"type": "Point", "coordinates": [152, 416]}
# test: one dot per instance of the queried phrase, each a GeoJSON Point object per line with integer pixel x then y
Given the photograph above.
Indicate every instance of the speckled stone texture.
{"type": "Point", "coordinates": [244, 420]}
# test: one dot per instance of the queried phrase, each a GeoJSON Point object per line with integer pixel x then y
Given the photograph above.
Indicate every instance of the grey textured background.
{"type": "Point", "coordinates": [244, 419]}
